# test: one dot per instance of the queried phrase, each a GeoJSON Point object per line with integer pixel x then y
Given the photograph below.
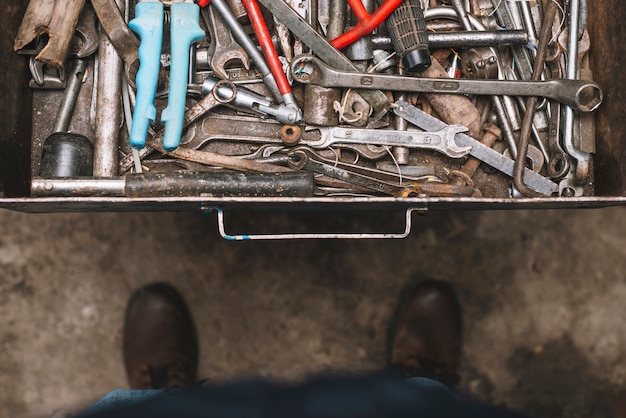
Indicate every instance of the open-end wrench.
{"type": "Point", "coordinates": [442, 141]}
{"type": "Point", "coordinates": [585, 96]}
{"type": "Point", "coordinates": [224, 50]}
{"type": "Point", "coordinates": [323, 49]}
{"type": "Point", "coordinates": [87, 32]}
{"type": "Point", "coordinates": [240, 34]}
{"type": "Point", "coordinates": [479, 151]}
{"type": "Point", "coordinates": [245, 129]}
{"type": "Point", "coordinates": [377, 180]}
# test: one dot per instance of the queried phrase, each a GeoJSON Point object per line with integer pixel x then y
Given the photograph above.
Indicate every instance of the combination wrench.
{"type": "Point", "coordinates": [442, 141]}
{"type": "Point", "coordinates": [582, 95]}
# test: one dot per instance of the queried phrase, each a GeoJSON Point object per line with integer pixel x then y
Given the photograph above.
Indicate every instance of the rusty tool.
{"type": "Point", "coordinates": [466, 172]}
{"type": "Point", "coordinates": [113, 24]}
{"type": "Point", "coordinates": [57, 19]}
{"type": "Point", "coordinates": [531, 105]}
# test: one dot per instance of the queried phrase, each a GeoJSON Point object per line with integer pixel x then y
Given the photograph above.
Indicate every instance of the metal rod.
{"type": "Point", "coordinates": [463, 39]}
{"type": "Point", "coordinates": [108, 107]}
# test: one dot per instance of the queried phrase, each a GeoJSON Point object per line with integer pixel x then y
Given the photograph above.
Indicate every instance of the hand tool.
{"type": "Point", "coordinates": [377, 180]}
{"type": "Point", "coordinates": [367, 23]}
{"type": "Point", "coordinates": [374, 179]}
{"type": "Point", "coordinates": [582, 159]}
{"type": "Point", "coordinates": [44, 77]}
{"type": "Point", "coordinates": [585, 96]}
{"type": "Point", "coordinates": [520, 54]}
{"type": "Point", "coordinates": [184, 31]}
{"type": "Point", "coordinates": [223, 49]}
{"type": "Point", "coordinates": [67, 154]}
{"type": "Point", "coordinates": [479, 151]}
{"type": "Point", "coordinates": [247, 99]}
{"type": "Point", "coordinates": [320, 46]}
{"type": "Point", "coordinates": [464, 175]}
{"type": "Point", "coordinates": [267, 46]}
{"type": "Point", "coordinates": [115, 27]}
{"type": "Point", "coordinates": [87, 33]}
{"type": "Point", "coordinates": [108, 107]}
{"type": "Point", "coordinates": [463, 39]}
{"type": "Point", "coordinates": [531, 104]}
{"type": "Point", "coordinates": [56, 18]}
{"type": "Point", "coordinates": [148, 24]}
{"type": "Point", "coordinates": [451, 108]}
{"type": "Point", "coordinates": [442, 141]}
{"type": "Point", "coordinates": [407, 27]}
{"type": "Point", "coordinates": [337, 18]}
{"type": "Point", "coordinates": [83, 45]}
{"type": "Point", "coordinates": [248, 45]}
{"type": "Point", "coordinates": [194, 113]}
{"type": "Point", "coordinates": [214, 184]}
{"type": "Point", "coordinates": [251, 130]}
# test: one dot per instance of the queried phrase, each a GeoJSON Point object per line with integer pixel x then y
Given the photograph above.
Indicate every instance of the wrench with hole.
{"type": "Point", "coordinates": [442, 141]}
{"type": "Point", "coordinates": [582, 95]}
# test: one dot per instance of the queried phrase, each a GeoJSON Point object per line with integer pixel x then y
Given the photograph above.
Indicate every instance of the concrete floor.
{"type": "Point", "coordinates": [543, 295]}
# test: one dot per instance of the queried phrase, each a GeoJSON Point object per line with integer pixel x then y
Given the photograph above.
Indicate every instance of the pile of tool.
{"type": "Point", "coordinates": [403, 98]}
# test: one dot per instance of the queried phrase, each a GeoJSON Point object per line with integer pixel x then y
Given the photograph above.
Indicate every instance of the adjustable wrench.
{"type": "Point", "coordinates": [575, 93]}
{"type": "Point", "coordinates": [223, 49]}
{"type": "Point", "coordinates": [442, 141]}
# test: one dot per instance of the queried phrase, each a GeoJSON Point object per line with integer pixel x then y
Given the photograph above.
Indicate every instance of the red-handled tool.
{"type": "Point", "coordinates": [265, 40]}
{"type": "Point", "coordinates": [366, 22]}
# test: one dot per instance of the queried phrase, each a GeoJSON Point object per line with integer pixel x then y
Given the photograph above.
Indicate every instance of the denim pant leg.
{"type": "Point", "coordinates": [120, 398]}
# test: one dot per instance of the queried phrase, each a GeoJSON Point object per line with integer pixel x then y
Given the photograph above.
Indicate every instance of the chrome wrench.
{"type": "Point", "coordinates": [479, 151]}
{"type": "Point", "coordinates": [442, 141]}
{"type": "Point", "coordinates": [582, 95]}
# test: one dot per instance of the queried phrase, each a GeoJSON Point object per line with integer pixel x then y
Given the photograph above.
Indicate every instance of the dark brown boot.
{"type": "Point", "coordinates": [426, 334]}
{"type": "Point", "coordinates": [160, 343]}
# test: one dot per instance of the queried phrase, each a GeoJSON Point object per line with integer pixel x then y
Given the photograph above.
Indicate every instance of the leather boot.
{"type": "Point", "coordinates": [160, 342]}
{"type": "Point", "coordinates": [426, 334]}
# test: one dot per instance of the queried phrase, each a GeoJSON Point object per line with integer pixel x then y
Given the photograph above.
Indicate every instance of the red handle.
{"type": "Point", "coordinates": [367, 22]}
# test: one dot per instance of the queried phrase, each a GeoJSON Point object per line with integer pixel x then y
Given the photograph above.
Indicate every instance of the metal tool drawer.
{"type": "Point", "coordinates": [21, 122]}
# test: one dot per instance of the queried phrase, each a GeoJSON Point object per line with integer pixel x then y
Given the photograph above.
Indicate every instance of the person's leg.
{"type": "Point", "coordinates": [426, 333]}
{"type": "Point", "coordinates": [160, 346]}
{"type": "Point", "coordinates": [425, 342]}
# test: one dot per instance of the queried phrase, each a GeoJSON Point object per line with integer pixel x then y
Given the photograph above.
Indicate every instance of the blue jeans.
{"type": "Point", "coordinates": [377, 395]}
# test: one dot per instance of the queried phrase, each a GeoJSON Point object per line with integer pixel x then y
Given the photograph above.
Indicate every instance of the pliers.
{"type": "Point", "coordinates": [184, 31]}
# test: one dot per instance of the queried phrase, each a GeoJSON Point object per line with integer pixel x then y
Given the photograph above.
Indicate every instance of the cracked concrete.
{"type": "Point", "coordinates": [542, 291]}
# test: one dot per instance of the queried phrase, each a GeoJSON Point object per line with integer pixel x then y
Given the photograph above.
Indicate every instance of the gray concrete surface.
{"type": "Point", "coordinates": [543, 295]}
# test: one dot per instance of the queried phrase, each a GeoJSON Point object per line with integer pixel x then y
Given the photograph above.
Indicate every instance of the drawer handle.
{"type": "Point", "coordinates": [250, 237]}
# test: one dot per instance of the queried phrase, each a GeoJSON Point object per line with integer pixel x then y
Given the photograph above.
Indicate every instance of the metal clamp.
{"type": "Point", "coordinates": [248, 237]}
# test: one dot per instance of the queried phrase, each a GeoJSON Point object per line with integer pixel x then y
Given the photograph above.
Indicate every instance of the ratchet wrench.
{"type": "Point", "coordinates": [583, 95]}
{"type": "Point", "coordinates": [442, 141]}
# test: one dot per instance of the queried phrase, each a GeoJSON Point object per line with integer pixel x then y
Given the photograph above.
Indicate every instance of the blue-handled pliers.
{"type": "Point", "coordinates": [184, 31]}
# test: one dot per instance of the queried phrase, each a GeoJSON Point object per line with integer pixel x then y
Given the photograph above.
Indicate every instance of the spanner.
{"type": "Point", "coordinates": [245, 129]}
{"type": "Point", "coordinates": [223, 49]}
{"type": "Point", "coordinates": [585, 96]}
{"type": "Point", "coordinates": [479, 151]}
{"type": "Point", "coordinates": [442, 141]}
